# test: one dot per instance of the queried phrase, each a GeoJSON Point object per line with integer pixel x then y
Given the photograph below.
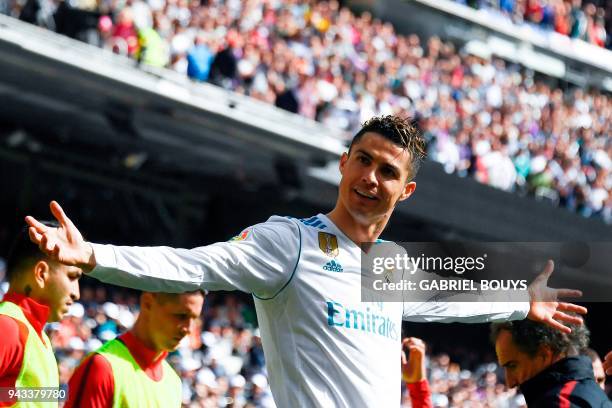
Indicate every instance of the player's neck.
{"type": "Point", "coordinates": [141, 332]}
{"type": "Point", "coordinates": [358, 231]}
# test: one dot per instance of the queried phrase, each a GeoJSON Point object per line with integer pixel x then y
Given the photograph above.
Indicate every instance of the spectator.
{"type": "Point", "coordinates": [578, 20]}
{"type": "Point", "coordinates": [562, 21]}
{"type": "Point", "coordinates": [124, 37]}
{"type": "Point", "coordinates": [235, 396]}
{"type": "Point", "coordinates": [152, 48]}
{"type": "Point", "coordinates": [199, 59]}
{"type": "Point", "coordinates": [499, 169]}
{"type": "Point", "coordinates": [414, 373]}
{"type": "Point", "coordinates": [223, 70]}
{"type": "Point", "coordinates": [259, 396]}
{"type": "Point", "coordinates": [285, 98]}
{"type": "Point", "coordinates": [534, 11]}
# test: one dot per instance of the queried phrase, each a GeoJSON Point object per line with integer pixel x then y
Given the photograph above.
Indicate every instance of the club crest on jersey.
{"type": "Point", "coordinates": [328, 243]}
{"type": "Point", "coordinates": [242, 236]}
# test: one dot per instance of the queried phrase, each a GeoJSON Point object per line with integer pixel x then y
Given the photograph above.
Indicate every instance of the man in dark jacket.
{"type": "Point", "coordinates": [545, 365]}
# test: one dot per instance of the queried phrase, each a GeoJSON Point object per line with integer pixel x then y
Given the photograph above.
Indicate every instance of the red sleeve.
{"type": "Point", "coordinates": [92, 384]}
{"type": "Point", "coordinates": [14, 337]}
{"type": "Point", "coordinates": [420, 394]}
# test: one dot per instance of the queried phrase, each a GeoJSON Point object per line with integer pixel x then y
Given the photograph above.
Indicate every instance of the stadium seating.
{"type": "Point", "coordinates": [483, 118]}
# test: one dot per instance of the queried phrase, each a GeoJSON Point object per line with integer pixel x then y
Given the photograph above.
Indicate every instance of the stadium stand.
{"type": "Point", "coordinates": [589, 21]}
{"type": "Point", "coordinates": [483, 117]}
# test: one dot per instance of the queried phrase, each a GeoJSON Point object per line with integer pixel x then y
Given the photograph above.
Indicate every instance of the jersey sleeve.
{"type": "Point", "coordinates": [260, 260]}
{"type": "Point", "coordinates": [464, 312]}
{"type": "Point", "coordinates": [92, 385]}
{"type": "Point", "coordinates": [466, 307]}
{"type": "Point", "coordinates": [462, 306]}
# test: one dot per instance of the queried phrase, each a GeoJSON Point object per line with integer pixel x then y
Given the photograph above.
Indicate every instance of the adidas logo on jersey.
{"type": "Point", "coordinates": [333, 266]}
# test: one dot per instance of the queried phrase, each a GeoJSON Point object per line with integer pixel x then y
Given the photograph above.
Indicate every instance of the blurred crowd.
{"type": "Point", "coordinates": [589, 21]}
{"type": "Point", "coordinates": [483, 117]}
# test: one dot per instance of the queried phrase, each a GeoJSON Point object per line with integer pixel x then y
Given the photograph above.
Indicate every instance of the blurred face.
{"type": "Point", "coordinates": [125, 17]}
{"type": "Point", "coordinates": [374, 178]}
{"type": "Point", "coordinates": [519, 366]}
{"type": "Point", "coordinates": [57, 286]}
{"type": "Point", "coordinates": [172, 318]}
{"type": "Point", "coordinates": [600, 375]}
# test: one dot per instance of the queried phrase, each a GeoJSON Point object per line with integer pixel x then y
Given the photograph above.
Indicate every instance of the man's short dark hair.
{"type": "Point", "coordinates": [163, 297]}
{"type": "Point", "coordinates": [528, 336]}
{"type": "Point", "coordinates": [23, 253]}
{"type": "Point", "coordinates": [401, 132]}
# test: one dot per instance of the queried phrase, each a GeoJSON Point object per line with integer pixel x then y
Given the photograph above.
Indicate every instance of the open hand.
{"type": "Point", "coordinates": [545, 306]}
{"type": "Point", "coordinates": [65, 243]}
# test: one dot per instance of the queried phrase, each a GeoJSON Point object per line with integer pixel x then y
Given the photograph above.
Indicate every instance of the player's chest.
{"type": "Point", "coordinates": [330, 267]}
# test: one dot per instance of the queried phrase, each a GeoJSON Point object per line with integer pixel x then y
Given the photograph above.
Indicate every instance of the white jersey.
{"type": "Point", "coordinates": [323, 346]}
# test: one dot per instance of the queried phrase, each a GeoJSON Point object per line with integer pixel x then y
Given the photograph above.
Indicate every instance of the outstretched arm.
{"type": "Point", "coordinates": [260, 261]}
{"type": "Point", "coordinates": [541, 303]}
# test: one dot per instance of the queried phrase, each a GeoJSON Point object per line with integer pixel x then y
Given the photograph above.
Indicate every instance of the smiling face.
{"type": "Point", "coordinates": [375, 177]}
{"type": "Point", "coordinates": [598, 372]}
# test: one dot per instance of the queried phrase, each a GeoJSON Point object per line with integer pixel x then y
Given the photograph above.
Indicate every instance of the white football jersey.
{"type": "Point", "coordinates": [323, 346]}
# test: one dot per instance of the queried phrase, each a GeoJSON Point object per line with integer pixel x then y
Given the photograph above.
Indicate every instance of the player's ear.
{"type": "Point", "coordinates": [408, 190]}
{"type": "Point", "coordinates": [41, 273]}
{"type": "Point", "coordinates": [343, 160]}
{"type": "Point", "coordinates": [146, 300]}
